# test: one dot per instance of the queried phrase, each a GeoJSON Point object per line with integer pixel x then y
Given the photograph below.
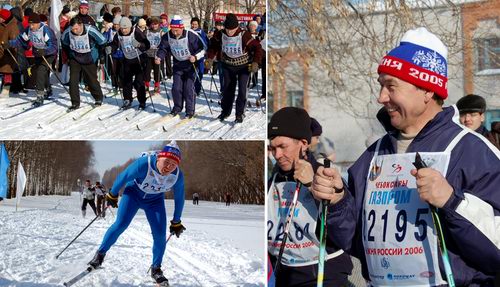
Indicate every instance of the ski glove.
{"type": "Point", "coordinates": [108, 50]}
{"type": "Point", "coordinates": [208, 64]}
{"type": "Point", "coordinates": [253, 68]}
{"type": "Point", "coordinates": [113, 201]}
{"type": "Point", "coordinates": [177, 228]}
{"type": "Point", "coordinates": [39, 52]}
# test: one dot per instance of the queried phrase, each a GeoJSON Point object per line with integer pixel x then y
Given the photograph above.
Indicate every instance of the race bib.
{"type": "Point", "coordinates": [399, 238]}
{"type": "Point", "coordinates": [232, 46]}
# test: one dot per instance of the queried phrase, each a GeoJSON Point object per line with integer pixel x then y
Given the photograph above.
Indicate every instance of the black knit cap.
{"type": "Point", "coordinates": [316, 128]}
{"type": "Point", "coordinates": [34, 18]}
{"type": "Point", "coordinates": [471, 104]}
{"type": "Point", "coordinates": [65, 10]}
{"type": "Point", "coordinates": [290, 122]}
{"type": "Point", "coordinates": [231, 21]}
{"type": "Point", "coordinates": [107, 17]}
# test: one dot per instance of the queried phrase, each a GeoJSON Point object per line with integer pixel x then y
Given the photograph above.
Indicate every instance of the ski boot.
{"type": "Point", "coordinates": [189, 115]}
{"type": "Point", "coordinates": [48, 94]}
{"type": "Point", "coordinates": [98, 103]}
{"type": "Point", "coordinates": [72, 108]}
{"type": "Point", "coordinates": [239, 119]}
{"type": "Point", "coordinates": [96, 262]}
{"type": "Point", "coordinates": [174, 113]}
{"type": "Point", "coordinates": [222, 116]}
{"type": "Point", "coordinates": [158, 277]}
{"type": "Point", "coordinates": [39, 100]}
{"type": "Point", "coordinates": [126, 104]}
{"type": "Point", "coordinates": [142, 107]}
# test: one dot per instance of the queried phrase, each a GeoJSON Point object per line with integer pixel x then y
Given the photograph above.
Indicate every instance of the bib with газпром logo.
{"type": "Point", "coordinates": [79, 44]}
{"type": "Point", "coordinates": [179, 47]}
{"type": "Point", "coordinates": [399, 238]}
{"type": "Point", "coordinates": [37, 38]}
{"type": "Point", "coordinates": [233, 46]}
{"type": "Point", "coordinates": [302, 247]}
{"type": "Point", "coordinates": [155, 183]}
{"type": "Point", "coordinates": [126, 43]}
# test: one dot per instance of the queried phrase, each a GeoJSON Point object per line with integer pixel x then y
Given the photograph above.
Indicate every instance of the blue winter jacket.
{"type": "Point", "coordinates": [22, 41]}
{"type": "Point", "coordinates": [137, 171]}
{"type": "Point", "coordinates": [470, 219]}
{"type": "Point", "coordinates": [196, 48]}
{"type": "Point", "coordinates": [95, 38]}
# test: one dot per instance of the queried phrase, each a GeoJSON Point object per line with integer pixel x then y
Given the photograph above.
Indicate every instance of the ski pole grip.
{"type": "Point", "coordinates": [327, 164]}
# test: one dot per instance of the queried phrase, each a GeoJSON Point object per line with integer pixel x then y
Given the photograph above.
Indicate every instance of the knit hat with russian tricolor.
{"type": "Point", "coordinates": [176, 22]}
{"type": "Point", "coordinates": [171, 151]}
{"type": "Point", "coordinates": [420, 59]}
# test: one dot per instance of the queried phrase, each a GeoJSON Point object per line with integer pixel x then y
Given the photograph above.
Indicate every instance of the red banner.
{"type": "Point", "coordinates": [241, 17]}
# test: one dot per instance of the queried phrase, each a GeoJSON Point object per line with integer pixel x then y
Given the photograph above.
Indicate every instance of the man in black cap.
{"type": "Point", "coordinates": [471, 109]}
{"type": "Point", "coordinates": [241, 55]}
{"type": "Point", "coordinates": [289, 133]}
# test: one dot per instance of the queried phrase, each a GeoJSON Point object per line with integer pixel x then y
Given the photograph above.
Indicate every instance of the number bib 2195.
{"type": "Point", "coordinates": [399, 240]}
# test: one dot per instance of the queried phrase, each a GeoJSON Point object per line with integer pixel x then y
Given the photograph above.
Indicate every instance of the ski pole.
{"type": "Point", "coordinates": [419, 163]}
{"type": "Point", "coordinates": [142, 70]}
{"type": "Point", "coordinates": [322, 236]}
{"type": "Point", "coordinates": [117, 76]}
{"type": "Point", "coordinates": [57, 76]}
{"type": "Point", "coordinates": [13, 58]}
{"type": "Point", "coordinates": [163, 80]}
{"type": "Point", "coordinates": [97, 216]}
{"type": "Point", "coordinates": [168, 238]}
{"type": "Point", "coordinates": [203, 89]}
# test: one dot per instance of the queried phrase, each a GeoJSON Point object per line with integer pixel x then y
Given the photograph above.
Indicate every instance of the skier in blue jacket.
{"type": "Point", "coordinates": [146, 180]}
{"type": "Point", "coordinates": [391, 200]}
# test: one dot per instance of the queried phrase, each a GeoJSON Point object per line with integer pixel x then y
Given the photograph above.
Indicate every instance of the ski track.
{"type": "Point", "coordinates": [206, 254]}
{"type": "Point", "coordinates": [36, 123]}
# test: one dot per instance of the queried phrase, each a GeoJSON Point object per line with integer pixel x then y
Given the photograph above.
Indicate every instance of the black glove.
{"type": "Point", "coordinates": [1, 198]}
{"type": "Point", "coordinates": [39, 52]}
{"type": "Point", "coordinates": [112, 201]}
{"type": "Point", "coordinates": [5, 45]}
{"type": "Point", "coordinates": [177, 228]}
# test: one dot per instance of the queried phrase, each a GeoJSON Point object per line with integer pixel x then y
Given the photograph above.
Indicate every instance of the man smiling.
{"type": "Point", "coordinates": [396, 238]}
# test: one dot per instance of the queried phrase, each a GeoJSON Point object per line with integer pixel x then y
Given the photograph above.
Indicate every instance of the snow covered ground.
{"type": "Point", "coordinates": [222, 246]}
{"type": "Point", "coordinates": [50, 121]}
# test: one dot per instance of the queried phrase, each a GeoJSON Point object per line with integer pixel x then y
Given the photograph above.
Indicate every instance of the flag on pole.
{"type": "Point", "coordinates": [4, 165]}
{"type": "Point", "coordinates": [21, 183]}
{"type": "Point", "coordinates": [56, 8]}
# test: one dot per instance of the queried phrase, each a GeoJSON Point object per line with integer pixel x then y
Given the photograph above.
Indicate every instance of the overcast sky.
{"type": "Point", "coordinates": [110, 153]}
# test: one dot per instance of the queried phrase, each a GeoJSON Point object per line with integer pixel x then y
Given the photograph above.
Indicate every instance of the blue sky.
{"type": "Point", "coordinates": [111, 153]}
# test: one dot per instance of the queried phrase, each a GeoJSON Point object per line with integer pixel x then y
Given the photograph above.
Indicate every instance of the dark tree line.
{"type": "Point", "coordinates": [214, 168]}
{"type": "Point", "coordinates": [51, 167]}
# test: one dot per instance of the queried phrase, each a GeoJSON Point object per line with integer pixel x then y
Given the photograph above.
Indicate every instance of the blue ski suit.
{"type": "Point", "coordinates": [153, 205]}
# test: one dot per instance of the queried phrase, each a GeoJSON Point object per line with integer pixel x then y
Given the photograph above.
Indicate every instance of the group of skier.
{"type": "Point", "coordinates": [420, 207]}
{"type": "Point", "coordinates": [128, 54]}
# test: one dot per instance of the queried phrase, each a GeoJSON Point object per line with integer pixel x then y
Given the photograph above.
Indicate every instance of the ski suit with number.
{"type": "Point", "coordinates": [145, 189]}
{"type": "Point", "coordinates": [470, 218]}
{"type": "Point", "coordinates": [299, 264]}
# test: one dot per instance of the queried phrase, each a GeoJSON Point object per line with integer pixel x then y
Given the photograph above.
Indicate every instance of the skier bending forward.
{"type": "Point", "coordinates": [147, 179]}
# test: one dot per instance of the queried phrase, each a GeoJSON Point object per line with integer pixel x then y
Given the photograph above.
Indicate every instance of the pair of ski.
{"type": "Point", "coordinates": [165, 119]}
{"type": "Point", "coordinates": [91, 269]}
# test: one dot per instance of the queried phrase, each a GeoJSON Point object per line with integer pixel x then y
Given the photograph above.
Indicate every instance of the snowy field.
{"type": "Point", "coordinates": [222, 246]}
{"type": "Point", "coordinates": [51, 121]}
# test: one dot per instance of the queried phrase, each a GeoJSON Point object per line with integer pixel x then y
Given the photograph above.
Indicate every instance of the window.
{"type": "Point", "coordinates": [295, 99]}
{"type": "Point", "coordinates": [488, 52]}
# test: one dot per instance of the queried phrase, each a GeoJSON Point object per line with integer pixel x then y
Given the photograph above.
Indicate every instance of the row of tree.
{"type": "Point", "coordinates": [51, 167]}
{"type": "Point", "coordinates": [214, 168]}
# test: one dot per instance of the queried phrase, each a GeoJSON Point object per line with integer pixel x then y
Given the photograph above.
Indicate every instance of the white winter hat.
{"type": "Point", "coordinates": [117, 19]}
{"type": "Point", "coordinates": [125, 23]}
